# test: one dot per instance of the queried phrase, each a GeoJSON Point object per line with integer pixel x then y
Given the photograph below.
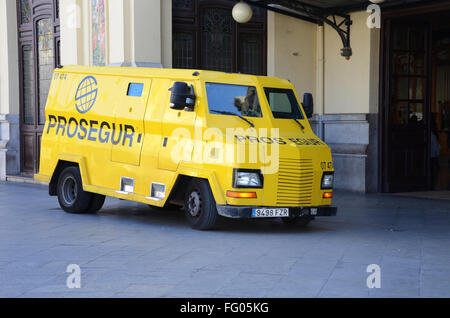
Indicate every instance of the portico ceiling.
{"type": "Point", "coordinates": [335, 13]}
{"type": "Point", "coordinates": [335, 5]}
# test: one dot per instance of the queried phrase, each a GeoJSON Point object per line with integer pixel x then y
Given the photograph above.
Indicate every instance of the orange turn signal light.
{"type": "Point", "coordinates": [241, 195]}
{"type": "Point", "coordinates": [328, 195]}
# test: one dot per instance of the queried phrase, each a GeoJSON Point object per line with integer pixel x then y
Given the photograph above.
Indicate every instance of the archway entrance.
{"type": "Point", "coordinates": [39, 47]}
{"type": "Point", "coordinates": [415, 104]}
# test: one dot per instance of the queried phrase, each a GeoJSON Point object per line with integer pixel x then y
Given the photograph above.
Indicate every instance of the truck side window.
{"type": "Point", "coordinates": [283, 103]}
{"type": "Point", "coordinates": [135, 89]}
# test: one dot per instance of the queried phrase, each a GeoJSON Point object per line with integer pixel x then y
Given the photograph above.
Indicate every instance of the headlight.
{"type": "Point", "coordinates": [247, 179]}
{"type": "Point", "coordinates": [327, 180]}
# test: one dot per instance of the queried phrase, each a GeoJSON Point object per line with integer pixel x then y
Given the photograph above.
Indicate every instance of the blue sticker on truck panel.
{"type": "Point", "coordinates": [135, 89]}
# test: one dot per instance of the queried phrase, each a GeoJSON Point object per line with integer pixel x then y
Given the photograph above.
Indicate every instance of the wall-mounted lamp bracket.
{"type": "Point", "coordinates": [339, 21]}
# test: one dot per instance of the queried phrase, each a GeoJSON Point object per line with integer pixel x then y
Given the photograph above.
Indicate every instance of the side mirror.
{"type": "Point", "coordinates": [308, 104]}
{"type": "Point", "coordinates": [183, 96]}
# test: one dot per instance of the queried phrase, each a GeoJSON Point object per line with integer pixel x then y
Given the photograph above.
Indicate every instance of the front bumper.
{"type": "Point", "coordinates": [245, 212]}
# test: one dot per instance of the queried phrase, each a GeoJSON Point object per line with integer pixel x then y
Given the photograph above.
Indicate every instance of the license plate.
{"type": "Point", "coordinates": [270, 213]}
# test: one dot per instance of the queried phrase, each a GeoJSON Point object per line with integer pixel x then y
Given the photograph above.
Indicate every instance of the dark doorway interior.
{"type": "Point", "coordinates": [440, 104]}
{"type": "Point", "coordinates": [415, 111]}
{"type": "Point", "coordinates": [408, 106]}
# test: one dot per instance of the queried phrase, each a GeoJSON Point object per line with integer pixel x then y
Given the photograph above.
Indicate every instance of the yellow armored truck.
{"type": "Point", "coordinates": [213, 143]}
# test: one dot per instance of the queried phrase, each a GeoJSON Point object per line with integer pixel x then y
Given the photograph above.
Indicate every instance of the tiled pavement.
{"type": "Point", "coordinates": [131, 250]}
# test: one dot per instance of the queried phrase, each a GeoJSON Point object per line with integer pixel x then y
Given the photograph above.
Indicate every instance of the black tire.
{"type": "Point", "coordinates": [71, 196]}
{"type": "Point", "coordinates": [96, 204]}
{"type": "Point", "coordinates": [200, 206]}
{"type": "Point", "coordinates": [169, 207]}
{"type": "Point", "coordinates": [298, 221]}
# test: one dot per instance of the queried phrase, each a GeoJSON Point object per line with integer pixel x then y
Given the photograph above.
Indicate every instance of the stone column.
{"type": "Point", "coordinates": [140, 33]}
{"type": "Point", "coordinates": [75, 32]}
{"type": "Point", "coordinates": [9, 91]}
{"type": "Point", "coordinates": [4, 138]}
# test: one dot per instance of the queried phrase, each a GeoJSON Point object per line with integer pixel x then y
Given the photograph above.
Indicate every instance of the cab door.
{"type": "Point", "coordinates": [128, 131]}
{"type": "Point", "coordinates": [178, 134]}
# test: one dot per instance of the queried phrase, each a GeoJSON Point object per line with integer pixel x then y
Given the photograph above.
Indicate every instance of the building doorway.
{"type": "Point", "coordinates": [206, 37]}
{"type": "Point", "coordinates": [39, 47]}
{"type": "Point", "coordinates": [416, 102]}
{"type": "Point", "coordinates": [440, 103]}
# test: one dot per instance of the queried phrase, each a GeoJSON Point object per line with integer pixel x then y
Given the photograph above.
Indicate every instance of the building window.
{"type": "Point", "coordinates": [251, 54]}
{"type": "Point", "coordinates": [205, 36]}
{"type": "Point", "coordinates": [46, 60]}
{"type": "Point", "coordinates": [183, 50]}
{"type": "Point", "coordinates": [57, 8]}
{"type": "Point", "coordinates": [217, 40]}
{"type": "Point", "coordinates": [25, 11]}
{"type": "Point", "coordinates": [28, 84]}
{"type": "Point", "coordinates": [183, 4]}
{"type": "Point", "coordinates": [98, 32]}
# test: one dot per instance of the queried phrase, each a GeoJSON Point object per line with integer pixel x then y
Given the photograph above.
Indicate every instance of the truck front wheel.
{"type": "Point", "coordinates": [96, 204]}
{"type": "Point", "coordinates": [71, 196]}
{"type": "Point", "coordinates": [200, 206]}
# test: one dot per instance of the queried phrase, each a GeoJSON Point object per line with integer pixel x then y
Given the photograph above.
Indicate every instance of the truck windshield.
{"type": "Point", "coordinates": [283, 103]}
{"type": "Point", "coordinates": [229, 99]}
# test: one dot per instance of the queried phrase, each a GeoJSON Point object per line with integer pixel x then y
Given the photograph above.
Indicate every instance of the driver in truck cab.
{"type": "Point", "coordinates": [216, 144]}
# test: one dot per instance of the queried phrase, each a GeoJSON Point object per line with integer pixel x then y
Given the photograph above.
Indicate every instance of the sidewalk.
{"type": "Point", "coordinates": [131, 250]}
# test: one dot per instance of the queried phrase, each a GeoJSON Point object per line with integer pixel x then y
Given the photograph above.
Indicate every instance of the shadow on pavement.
{"type": "Point", "coordinates": [140, 213]}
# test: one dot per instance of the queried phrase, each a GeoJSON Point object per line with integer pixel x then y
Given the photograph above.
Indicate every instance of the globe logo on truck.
{"type": "Point", "coordinates": [86, 94]}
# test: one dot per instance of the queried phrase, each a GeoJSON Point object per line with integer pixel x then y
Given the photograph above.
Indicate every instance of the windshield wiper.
{"type": "Point", "coordinates": [233, 114]}
{"type": "Point", "coordinates": [303, 127]}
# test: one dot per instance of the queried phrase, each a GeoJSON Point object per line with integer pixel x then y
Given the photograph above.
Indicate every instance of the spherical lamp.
{"type": "Point", "coordinates": [242, 12]}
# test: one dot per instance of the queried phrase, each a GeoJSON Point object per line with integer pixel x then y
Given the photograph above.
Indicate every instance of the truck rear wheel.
{"type": "Point", "coordinates": [71, 196]}
{"type": "Point", "coordinates": [200, 206]}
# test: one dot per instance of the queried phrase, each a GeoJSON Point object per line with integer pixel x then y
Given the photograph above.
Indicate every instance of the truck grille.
{"type": "Point", "coordinates": [295, 182]}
